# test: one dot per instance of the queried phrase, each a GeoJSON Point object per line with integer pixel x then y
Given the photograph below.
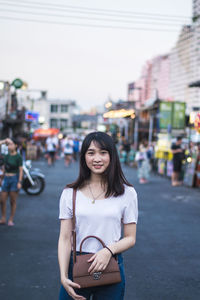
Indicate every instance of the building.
{"type": "Point", "coordinates": [153, 82]}
{"type": "Point", "coordinates": [183, 69]}
{"type": "Point", "coordinates": [60, 113]}
{"type": "Point", "coordinates": [176, 75]}
{"type": "Point", "coordinates": [185, 63]}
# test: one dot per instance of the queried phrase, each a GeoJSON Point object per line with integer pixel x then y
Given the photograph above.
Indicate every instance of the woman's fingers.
{"type": "Point", "coordinates": [70, 289]}
{"type": "Point", "coordinates": [75, 285]}
{"type": "Point", "coordinates": [96, 268]}
{"type": "Point", "coordinates": [92, 258]}
{"type": "Point", "coordinates": [91, 268]}
{"type": "Point", "coordinates": [76, 296]}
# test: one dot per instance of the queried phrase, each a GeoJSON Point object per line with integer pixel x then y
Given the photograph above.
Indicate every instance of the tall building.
{"type": "Point", "coordinates": [196, 9]}
{"type": "Point", "coordinates": [153, 82]}
{"type": "Point", "coordinates": [170, 76]}
{"type": "Point", "coordinates": [185, 63]}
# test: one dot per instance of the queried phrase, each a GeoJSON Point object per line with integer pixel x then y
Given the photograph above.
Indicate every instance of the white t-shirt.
{"type": "Point", "coordinates": [68, 146]}
{"type": "Point", "coordinates": [52, 143]}
{"type": "Point", "coordinates": [103, 219]}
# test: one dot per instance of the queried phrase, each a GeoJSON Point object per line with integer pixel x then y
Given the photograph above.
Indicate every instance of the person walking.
{"type": "Point", "coordinates": [12, 180]}
{"type": "Point", "coordinates": [51, 148]}
{"type": "Point", "coordinates": [178, 154]}
{"type": "Point", "coordinates": [75, 148]}
{"type": "Point", "coordinates": [143, 165]}
{"type": "Point", "coordinates": [105, 202]}
{"type": "Point", "coordinates": [67, 147]}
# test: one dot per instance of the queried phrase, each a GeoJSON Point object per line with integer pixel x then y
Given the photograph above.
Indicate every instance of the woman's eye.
{"type": "Point", "coordinates": [90, 153]}
{"type": "Point", "coordinates": [104, 152]}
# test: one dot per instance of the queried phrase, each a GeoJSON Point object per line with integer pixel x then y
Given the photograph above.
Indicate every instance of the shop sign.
{"type": "Point", "coordinates": [178, 115]}
{"type": "Point", "coordinates": [31, 116]}
{"type": "Point", "coordinates": [171, 115]}
{"type": "Point", "coordinates": [165, 114]}
{"type": "Point", "coordinates": [17, 83]}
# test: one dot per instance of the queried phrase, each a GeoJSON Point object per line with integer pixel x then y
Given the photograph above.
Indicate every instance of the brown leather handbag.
{"type": "Point", "coordinates": [81, 276]}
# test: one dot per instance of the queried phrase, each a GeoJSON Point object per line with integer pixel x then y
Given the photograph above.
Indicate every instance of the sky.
{"type": "Point", "coordinates": [86, 64]}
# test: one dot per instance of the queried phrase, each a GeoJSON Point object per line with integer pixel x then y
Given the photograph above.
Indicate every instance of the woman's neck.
{"type": "Point", "coordinates": [13, 152]}
{"type": "Point", "coordinates": [95, 179]}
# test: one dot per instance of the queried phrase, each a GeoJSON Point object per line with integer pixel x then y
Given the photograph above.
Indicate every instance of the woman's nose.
{"type": "Point", "coordinates": [97, 157]}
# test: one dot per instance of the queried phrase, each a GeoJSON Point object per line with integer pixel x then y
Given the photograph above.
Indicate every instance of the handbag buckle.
{"type": "Point", "coordinates": [97, 275]}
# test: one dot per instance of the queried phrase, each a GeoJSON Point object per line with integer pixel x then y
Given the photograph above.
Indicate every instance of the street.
{"type": "Point", "coordinates": [163, 265]}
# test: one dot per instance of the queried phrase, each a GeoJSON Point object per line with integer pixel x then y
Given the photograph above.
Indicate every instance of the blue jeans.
{"type": "Point", "coordinates": [106, 292]}
{"type": "Point", "coordinates": [10, 183]}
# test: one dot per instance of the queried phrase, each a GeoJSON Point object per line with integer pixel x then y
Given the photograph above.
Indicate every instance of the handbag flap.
{"type": "Point", "coordinates": [81, 266]}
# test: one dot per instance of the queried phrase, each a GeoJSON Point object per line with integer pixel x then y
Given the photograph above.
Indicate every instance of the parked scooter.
{"type": "Point", "coordinates": [33, 180]}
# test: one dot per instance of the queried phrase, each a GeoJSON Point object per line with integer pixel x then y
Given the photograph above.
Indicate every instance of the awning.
{"type": "Point", "coordinates": [44, 133]}
{"type": "Point", "coordinates": [194, 84]}
{"type": "Point", "coordinates": [120, 113]}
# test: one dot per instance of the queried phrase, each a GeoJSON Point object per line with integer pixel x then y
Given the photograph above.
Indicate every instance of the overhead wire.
{"type": "Point", "coordinates": [73, 9]}
{"type": "Point", "coordinates": [87, 18]}
{"type": "Point", "coordinates": [20, 4]}
{"type": "Point", "coordinates": [96, 9]}
{"type": "Point", "coordinates": [86, 25]}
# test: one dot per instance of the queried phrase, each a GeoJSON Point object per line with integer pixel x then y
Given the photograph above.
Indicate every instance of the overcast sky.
{"type": "Point", "coordinates": [87, 64]}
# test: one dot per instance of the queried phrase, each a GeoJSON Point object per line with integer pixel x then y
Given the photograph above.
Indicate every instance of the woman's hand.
{"type": "Point", "coordinates": [99, 261]}
{"type": "Point", "coordinates": [70, 286]}
{"type": "Point", "coordinates": [8, 141]}
{"type": "Point", "coordinates": [19, 185]}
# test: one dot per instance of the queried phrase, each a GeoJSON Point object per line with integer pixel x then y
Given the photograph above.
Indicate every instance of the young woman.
{"type": "Point", "coordinates": [105, 202]}
{"type": "Point", "coordinates": [12, 180]}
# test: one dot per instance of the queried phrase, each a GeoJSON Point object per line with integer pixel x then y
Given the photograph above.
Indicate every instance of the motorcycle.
{"type": "Point", "coordinates": [33, 182]}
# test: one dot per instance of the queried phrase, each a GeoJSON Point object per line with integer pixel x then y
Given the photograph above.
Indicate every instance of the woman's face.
{"type": "Point", "coordinates": [97, 160]}
{"type": "Point", "coordinates": [11, 146]}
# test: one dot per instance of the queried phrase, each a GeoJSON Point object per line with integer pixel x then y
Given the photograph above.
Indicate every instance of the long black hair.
{"type": "Point", "coordinates": [113, 176]}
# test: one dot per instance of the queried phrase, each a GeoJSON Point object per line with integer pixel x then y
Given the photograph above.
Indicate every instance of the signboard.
{"type": "Point", "coordinates": [165, 113]}
{"type": "Point", "coordinates": [31, 116]}
{"type": "Point", "coordinates": [178, 115]}
{"type": "Point", "coordinates": [171, 115]}
{"type": "Point", "coordinates": [17, 83]}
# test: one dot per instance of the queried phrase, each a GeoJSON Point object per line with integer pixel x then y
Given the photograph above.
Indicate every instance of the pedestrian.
{"type": "Point", "coordinates": [105, 203]}
{"type": "Point", "coordinates": [51, 147]}
{"type": "Point", "coordinates": [67, 145]}
{"type": "Point", "coordinates": [126, 147]}
{"type": "Point", "coordinates": [143, 164]}
{"type": "Point", "coordinates": [178, 155]}
{"type": "Point", "coordinates": [12, 180]}
{"type": "Point", "coordinates": [75, 148]}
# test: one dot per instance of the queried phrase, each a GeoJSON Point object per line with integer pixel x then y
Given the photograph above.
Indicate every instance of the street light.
{"type": "Point", "coordinates": [108, 104]}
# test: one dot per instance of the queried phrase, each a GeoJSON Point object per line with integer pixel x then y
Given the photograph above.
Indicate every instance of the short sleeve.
{"type": "Point", "coordinates": [65, 207]}
{"type": "Point", "coordinates": [173, 147]}
{"type": "Point", "coordinates": [130, 213]}
{"type": "Point", "coordinates": [20, 162]}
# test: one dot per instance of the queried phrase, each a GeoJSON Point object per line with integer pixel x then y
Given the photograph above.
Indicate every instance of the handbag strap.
{"type": "Point", "coordinates": [74, 230]}
{"type": "Point", "coordinates": [74, 225]}
{"type": "Point", "coordinates": [91, 236]}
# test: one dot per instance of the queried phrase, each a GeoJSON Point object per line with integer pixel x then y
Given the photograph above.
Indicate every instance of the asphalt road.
{"type": "Point", "coordinates": [163, 265]}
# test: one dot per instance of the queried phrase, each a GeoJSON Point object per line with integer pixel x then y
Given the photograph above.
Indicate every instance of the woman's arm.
{"type": "Point", "coordinates": [64, 247]}
{"type": "Point", "coordinates": [128, 240]}
{"type": "Point", "coordinates": [19, 184]}
{"type": "Point", "coordinates": [64, 252]}
{"type": "Point", "coordinates": [101, 259]}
